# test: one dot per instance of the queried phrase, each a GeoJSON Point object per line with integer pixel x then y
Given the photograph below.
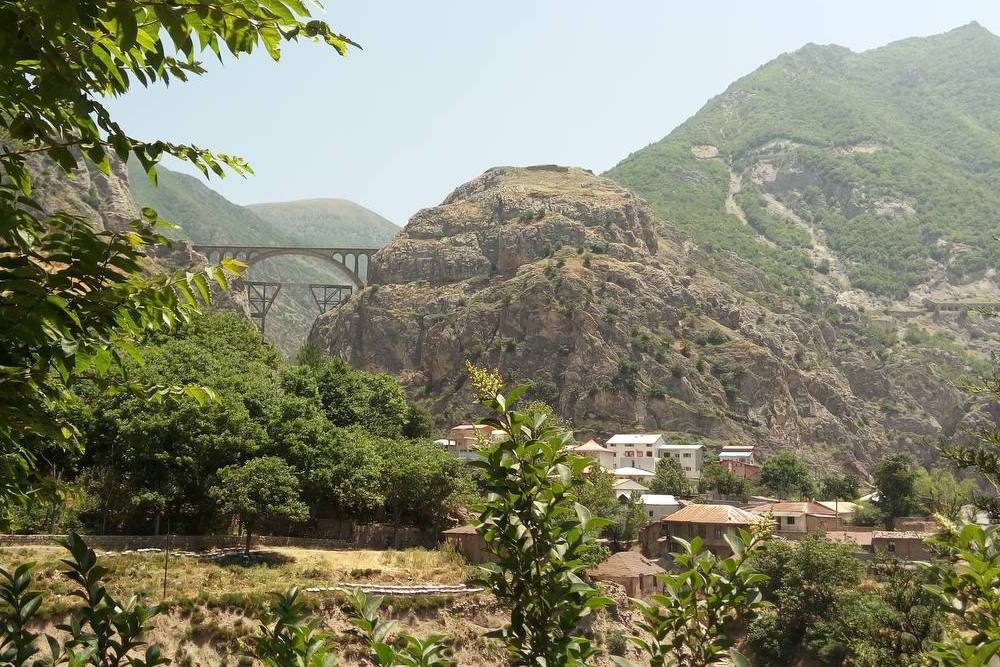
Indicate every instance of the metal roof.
{"type": "Point", "coordinates": [735, 455]}
{"type": "Point", "coordinates": [634, 438]}
{"type": "Point", "coordinates": [625, 564]}
{"type": "Point", "coordinates": [629, 485]}
{"type": "Point", "coordinates": [592, 446]}
{"type": "Point", "coordinates": [673, 446]}
{"type": "Point", "coordinates": [806, 507]}
{"type": "Point", "coordinates": [659, 499]}
{"type": "Point", "coordinates": [631, 472]}
{"type": "Point", "coordinates": [722, 514]}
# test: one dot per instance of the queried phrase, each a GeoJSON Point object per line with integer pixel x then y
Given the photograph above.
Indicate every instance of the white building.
{"type": "Point", "coordinates": [624, 488]}
{"type": "Point", "coordinates": [691, 457]}
{"type": "Point", "coordinates": [635, 450]}
{"type": "Point", "coordinates": [634, 474]}
{"type": "Point", "coordinates": [659, 505]}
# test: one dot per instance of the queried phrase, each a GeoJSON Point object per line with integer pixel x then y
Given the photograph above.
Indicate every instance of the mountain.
{"type": "Point", "coordinates": [874, 177]}
{"type": "Point", "coordinates": [567, 279]}
{"type": "Point", "coordinates": [207, 217]}
{"type": "Point", "coordinates": [328, 222]}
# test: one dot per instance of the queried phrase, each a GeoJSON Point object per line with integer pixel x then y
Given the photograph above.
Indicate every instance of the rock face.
{"type": "Point", "coordinates": [558, 276]}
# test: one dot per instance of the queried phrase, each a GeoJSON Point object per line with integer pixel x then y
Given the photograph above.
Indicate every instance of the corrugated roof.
{"type": "Point", "coordinates": [625, 564]}
{"type": "Point", "coordinates": [735, 455]}
{"type": "Point", "coordinates": [631, 472]}
{"type": "Point", "coordinates": [805, 507]}
{"type": "Point", "coordinates": [738, 448]}
{"type": "Point", "coordinates": [634, 438]}
{"type": "Point", "coordinates": [678, 446]}
{"type": "Point", "coordinates": [659, 499]}
{"type": "Point", "coordinates": [724, 514]}
{"type": "Point", "coordinates": [842, 506]}
{"type": "Point", "coordinates": [629, 485]}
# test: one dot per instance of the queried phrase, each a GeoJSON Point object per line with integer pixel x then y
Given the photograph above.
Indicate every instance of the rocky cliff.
{"type": "Point", "coordinates": [567, 279]}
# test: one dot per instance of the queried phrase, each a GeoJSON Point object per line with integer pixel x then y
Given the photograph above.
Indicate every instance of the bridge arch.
{"type": "Point", "coordinates": [348, 260]}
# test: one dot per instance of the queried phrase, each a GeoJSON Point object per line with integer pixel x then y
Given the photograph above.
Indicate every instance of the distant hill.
{"type": "Point", "coordinates": [875, 175]}
{"type": "Point", "coordinates": [328, 222]}
{"type": "Point", "coordinates": [205, 216]}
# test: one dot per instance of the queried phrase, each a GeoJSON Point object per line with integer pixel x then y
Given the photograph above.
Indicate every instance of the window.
{"type": "Point", "coordinates": [790, 520]}
{"type": "Point", "coordinates": [649, 453]}
{"type": "Point", "coordinates": [629, 453]}
{"type": "Point", "coordinates": [650, 514]}
{"type": "Point", "coordinates": [719, 532]}
{"type": "Point", "coordinates": [702, 531]}
{"type": "Point", "coordinates": [688, 468]}
{"type": "Point", "coordinates": [687, 455]}
{"type": "Point", "coordinates": [891, 547]}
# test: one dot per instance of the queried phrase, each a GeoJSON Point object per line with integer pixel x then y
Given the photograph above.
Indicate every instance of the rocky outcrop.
{"type": "Point", "coordinates": [558, 276]}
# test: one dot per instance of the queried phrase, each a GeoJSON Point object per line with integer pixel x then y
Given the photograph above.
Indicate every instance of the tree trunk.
{"type": "Point", "coordinates": [246, 550]}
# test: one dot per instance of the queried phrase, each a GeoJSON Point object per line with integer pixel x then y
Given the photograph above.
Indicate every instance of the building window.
{"type": "Point", "coordinates": [790, 520]}
{"type": "Point", "coordinates": [627, 453]}
{"type": "Point", "coordinates": [891, 547]}
{"type": "Point", "coordinates": [649, 453]}
{"type": "Point", "coordinates": [719, 532]}
{"type": "Point", "coordinates": [687, 455]}
{"type": "Point", "coordinates": [650, 514]}
{"type": "Point", "coordinates": [688, 468]}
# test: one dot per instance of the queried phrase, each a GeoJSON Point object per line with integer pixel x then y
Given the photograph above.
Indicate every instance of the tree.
{"type": "Point", "coordinates": [265, 487]}
{"type": "Point", "coordinates": [372, 400]}
{"type": "Point", "coordinates": [418, 478]}
{"type": "Point", "coordinates": [715, 477]}
{"type": "Point", "coordinates": [628, 518]}
{"type": "Point", "coordinates": [539, 535]}
{"type": "Point", "coordinates": [786, 476]}
{"type": "Point", "coordinates": [76, 298]}
{"type": "Point", "coordinates": [839, 487]}
{"type": "Point", "coordinates": [939, 492]}
{"type": "Point", "coordinates": [669, 478]}
{"type": "Point", "coordinates": [895, 479]}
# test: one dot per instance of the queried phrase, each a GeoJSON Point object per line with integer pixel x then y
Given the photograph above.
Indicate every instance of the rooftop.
{"type": "Point", "coordinates": [738, 448]}
{"type": "Point", "coordinates": [629, 485]}
{"type": "Point", "coordinates": [673, 446]}
{"type": "Point", "coordinates": [900, 535]}
{"type": "Point", "coordinates": [862, 538]}
{"type": "Point", "coordinates": [723, 514]}
{"type": "Point", "coordinates": [735, 455]}
{"type": "Point", "coordinates": [659, 499]}
{"type": "Point", "coordinates": [631, 472]}
{"type": "Point", "coordinates": [472, 427]}
{"type": "Point", "coordinates": [625, 564]}
{"type": "Point", "coordinates": [807, 507]}
{"type": "Point", "coordinates": [842, 506]}
{"type": "Point", "coordinates": [634, 438]}
{"type": "Point", "coordinates": [591, 446]}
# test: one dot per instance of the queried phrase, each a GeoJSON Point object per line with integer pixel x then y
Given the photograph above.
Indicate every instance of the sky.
{"type": "Point", "coordinates": [445, 89]}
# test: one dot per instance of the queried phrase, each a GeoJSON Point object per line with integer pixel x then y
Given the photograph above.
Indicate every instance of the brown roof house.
{"type": "Point", "coordinates": [792, 518]}
{"type": "Point", "coordinates": [709, 522]}
{"type": "Point", "coordinates": [466, 541]}
{"type": "Point", "coordinates": [631, 570]}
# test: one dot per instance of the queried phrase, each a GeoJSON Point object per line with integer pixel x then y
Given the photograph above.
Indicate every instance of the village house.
{"type": "Point", "coordinates": [740, 460]}
{"type": "Point", "coordinates": [623, 488]}
{"type": "Point", "coordinates": [902, 544]}
{"type": "Point", "coordinates": [465, 439]}
{"type": "Point", "coordinates": [635, 450]}
{"type": "Point", "coordinates": [845, 509]}
{"type": "Point", "coordinates": [602, 455]}
{"type": "Point", "coordinates": [659, 505]}
{"type": "Point", "coordinates": [691, 457]}
{"type": "Point", "coordinates": [709, 522]}
{"type": "Point", "coordinates": [799, 517]}
{"type": "Point", "coordinates": [470, 544]}
{"type": "Point", "coordinates": [631, 570]}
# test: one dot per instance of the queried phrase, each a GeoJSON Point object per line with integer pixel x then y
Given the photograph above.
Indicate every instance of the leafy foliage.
{"type": "Point", "coordinates": [537, 532]}
{"type": "Point", "coordinates": [669, 478]}
{"type": "Point", "coordinates": [374, 632]}
{"type": "Point", "coordinates": [787, 476]}
{"type": "Point", "coordinates": [260, 488]}
{"type": "Point", "coordinates": [895, 480]}
{"type": "Point", "coordinates": [703, 600]}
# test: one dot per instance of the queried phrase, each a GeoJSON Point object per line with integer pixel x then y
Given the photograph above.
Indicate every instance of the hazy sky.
{"type": "Point", "coordinates": [445, 89]}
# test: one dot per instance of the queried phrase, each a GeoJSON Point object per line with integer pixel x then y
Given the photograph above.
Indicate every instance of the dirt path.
{"type": "Point", "coordinates": [820, 251]}
{"type": "Point", "coordinates": [735, 187]}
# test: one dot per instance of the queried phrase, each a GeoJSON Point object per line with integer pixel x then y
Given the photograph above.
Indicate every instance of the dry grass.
{"type": "Point", "coordinates": [192, 582]}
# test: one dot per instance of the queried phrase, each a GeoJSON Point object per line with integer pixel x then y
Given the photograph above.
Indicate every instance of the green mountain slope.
{"type": "Point", "coordinates": [207, 217]}
{"type": "Point", "coordinates": [328, 222]}
{"type": "Point", "coordinates": [834, 170]}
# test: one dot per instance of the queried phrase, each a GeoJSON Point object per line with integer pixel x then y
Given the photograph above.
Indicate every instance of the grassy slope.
{"type": "Point", "coordinates": [207, 217]}
{"type": "Point", "coordinates": [931, 102]}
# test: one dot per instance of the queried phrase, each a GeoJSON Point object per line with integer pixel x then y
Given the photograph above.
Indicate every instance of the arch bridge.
{"type": "Point", "coordinates": [353, 263]}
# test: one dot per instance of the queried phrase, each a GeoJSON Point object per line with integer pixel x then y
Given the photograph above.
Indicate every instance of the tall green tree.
{"type": "Point", "coordinates": [261, 488]}
{"type": "Point", "coordinates": [77, 299]}
{"type": "Point", "coordinates": [628, 519]}
{"type": "Point", "coordinates": [787, 476]}
{"type": "Point", "coordinates": [939, 492]}
{"type": "Point", "coordinates": [669, 478]}
{"type": "Point", "coordinates": [895, 479]}
{"type": "Point", "coordinates": [981, 453]}
{"type": "Point", "coordinates": [839, 487]}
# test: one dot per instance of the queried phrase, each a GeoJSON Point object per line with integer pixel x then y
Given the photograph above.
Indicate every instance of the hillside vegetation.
{"type": "Point", "coordinates": [891, 157]}
{"type": "Point", "coordinates": [207, 217]}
